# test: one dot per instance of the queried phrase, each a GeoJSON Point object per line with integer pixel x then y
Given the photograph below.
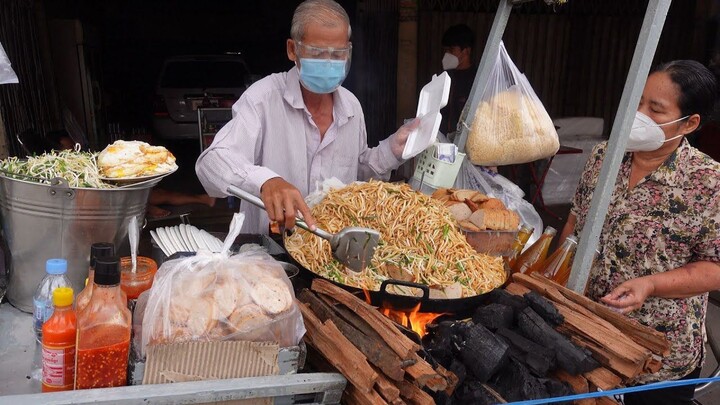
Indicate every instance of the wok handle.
{"type": "Point", "coordinates": [425, 289]}
{"type": "Point", "coordinates": [240, 193]}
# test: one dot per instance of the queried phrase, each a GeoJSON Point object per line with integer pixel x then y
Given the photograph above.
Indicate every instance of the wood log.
{"type": "Point", "coordinates": [612, 340]}
{"type": "Point", "coordinates": [620, 365]}
{"type": "Point", "coordinates": [605, 401]}
{"type": "Point", "coordinates": [517, 289]}
{"type": "Point", "coordinates": [644, 335]}
{"type": "Point", "coordinates": [570, 357]}
{"type": "Point", "coordinates": [413, 394]}
{"type": "Point", "coordinates": [450, 377]}
{"type": "Point", "coordinates": [603, 379]}
{"type": "Point", "coordinates": [375, 350]}
{"type": "Point", "coordinates": [339, 351]}
{"type": "Point", "coordinates": [353, 395]}
{"type": "Point", "coordinates": [363, 326]}
{"type": "Point", "coordinates": [387, 388]}
{"type": "Point", "coordinates": [424, 375]}
{"type": "Point", "coordinates": [398, 342]}
{"type": "Point", "coordinates": [578, 383]}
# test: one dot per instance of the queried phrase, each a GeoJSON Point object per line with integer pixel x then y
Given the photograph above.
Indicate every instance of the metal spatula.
{"type": "Point", "coordinates": [352, 246]}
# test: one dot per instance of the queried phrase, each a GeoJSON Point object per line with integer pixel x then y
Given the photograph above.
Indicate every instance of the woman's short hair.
{"type": "Point", "coordinates": [697, 84]}
{"type": "Point", "coordinates": [325, 12]}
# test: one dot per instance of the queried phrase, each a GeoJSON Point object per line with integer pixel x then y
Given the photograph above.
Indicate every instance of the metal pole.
{"type": "Point", "coordinates": [487, 62]}
{"type": "Point", "coordinates": [644, 51]}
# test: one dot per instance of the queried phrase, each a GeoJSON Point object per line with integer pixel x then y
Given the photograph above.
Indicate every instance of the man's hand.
{"type": "Point", "coordinates": [283, 201]}
{"type": "Point", "coordinates": [630, 295]}
{"type": "Point", "coordinates": [400, 137]}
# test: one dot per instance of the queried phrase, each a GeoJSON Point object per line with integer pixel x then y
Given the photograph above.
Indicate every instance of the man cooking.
{"type": "Point", "coordinates": [293, 130]}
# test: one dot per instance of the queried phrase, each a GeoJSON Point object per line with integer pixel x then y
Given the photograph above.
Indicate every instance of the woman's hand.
{"type": "Point", "coordinates": [630, 295]}
{"type": "Point", "coordinates": [283, 201]}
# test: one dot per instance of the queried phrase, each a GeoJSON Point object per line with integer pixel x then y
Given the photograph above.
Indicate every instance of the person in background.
{"type": "Point", "coordinates": [660, 243]}
{"type": "Point", "coordinates": [293, 130]}
{"type": "Point", "coordinates": [458, 42]}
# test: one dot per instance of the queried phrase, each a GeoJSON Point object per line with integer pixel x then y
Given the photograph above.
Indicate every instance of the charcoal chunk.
{"type": "Point", "coordinates": [500, 296]}
{"type": "Point", "coordinates": [458, 368]}
{"type": "Point", "coordinates": [557, 388]}
{"type": "Point", "coordinates": [544, 308]}
{"type": "Point", "coordinates": [483, 353]}
{"type": "Point", "coordinates": [515, 383]}
{"type": "Point", "coordinates": [537, 358]}
{"type": "Point", "coordinates": [494, 316]}
{"type": "Point", "coordinates": [571, 358]}
{"type": "Point", "coordinates": [473, 393]}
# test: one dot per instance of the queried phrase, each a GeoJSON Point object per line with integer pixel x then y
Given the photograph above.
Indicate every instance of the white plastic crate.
{"type": "Point", "coordinates": [435, 172]}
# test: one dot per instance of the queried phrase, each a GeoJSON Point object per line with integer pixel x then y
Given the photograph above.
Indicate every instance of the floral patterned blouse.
{"type": "Point", "coordinates": [670, 218]}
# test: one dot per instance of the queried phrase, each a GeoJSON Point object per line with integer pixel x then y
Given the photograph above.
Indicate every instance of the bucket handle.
{"type": "Point", "coordinates": [59, 188]}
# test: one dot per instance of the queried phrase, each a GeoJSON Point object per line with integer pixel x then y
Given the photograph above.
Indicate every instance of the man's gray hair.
{"type": "Point", "coordinates": [328, 13]}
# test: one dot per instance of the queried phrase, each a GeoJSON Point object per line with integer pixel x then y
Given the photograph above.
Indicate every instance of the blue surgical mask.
{"type": "Point", "coordinates": [322, 76]}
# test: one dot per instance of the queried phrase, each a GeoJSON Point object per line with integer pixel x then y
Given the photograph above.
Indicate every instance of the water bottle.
{"type": "Point", "coordinates": [42, 300]}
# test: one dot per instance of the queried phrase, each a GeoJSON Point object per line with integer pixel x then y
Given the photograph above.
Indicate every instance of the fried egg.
{"type": "Point", "coordinates": [135, 159]}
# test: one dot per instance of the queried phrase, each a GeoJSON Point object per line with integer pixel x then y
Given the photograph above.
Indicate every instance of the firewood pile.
{"type": "Point", "coordinates": [536, 339]}
{"type": "Point", "coordinates": [381, 364]}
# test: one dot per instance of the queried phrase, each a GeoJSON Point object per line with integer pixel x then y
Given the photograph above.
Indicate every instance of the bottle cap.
{"type": "Point", "coordinates": [56, 266]}
{"type": "Point", "coordinates": [572, 238]}
{"type": "Point", "coordinates": [107, 270]}
{"type": "Point", "coordinates": [101, 249]}
{"type": "Point", "coordinates": [62, 296]}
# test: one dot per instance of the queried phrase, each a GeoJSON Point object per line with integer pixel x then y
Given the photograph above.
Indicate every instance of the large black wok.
{"type": "Point", "coordinates": [384, 298]}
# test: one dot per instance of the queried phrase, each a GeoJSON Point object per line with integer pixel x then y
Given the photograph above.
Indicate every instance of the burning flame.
{"type": "Point", "coordinates": [413, 319]}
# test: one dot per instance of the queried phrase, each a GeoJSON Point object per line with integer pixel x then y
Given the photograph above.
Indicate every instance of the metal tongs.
{"type": "Point", "coordinates": [352, 246]}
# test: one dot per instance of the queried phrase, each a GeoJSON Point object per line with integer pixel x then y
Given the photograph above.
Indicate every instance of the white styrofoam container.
{"type": "Point", "coordinates": [433, 97]}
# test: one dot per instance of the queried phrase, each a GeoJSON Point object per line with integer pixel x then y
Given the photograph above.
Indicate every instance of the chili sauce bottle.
{"type": "Point", "coordinates": [100, 249]}
{"type": "Point", "coordinates": [103, 338]}
{"type": "Point", "coordinates": [58, 343]}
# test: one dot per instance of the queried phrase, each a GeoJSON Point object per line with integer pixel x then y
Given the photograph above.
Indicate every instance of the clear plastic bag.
{"type": "Point", "coordinates": [7, 75]}
{"type": "Point", "coordinates": [511, 124]}
{"type": "Point", "coordinates": [218, 297]}
{"type": "Point", "coordinates": [497, 186]}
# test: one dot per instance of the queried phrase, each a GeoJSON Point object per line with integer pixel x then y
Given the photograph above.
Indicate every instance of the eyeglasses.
{"type": "Point", "coordinates": [313, 52]}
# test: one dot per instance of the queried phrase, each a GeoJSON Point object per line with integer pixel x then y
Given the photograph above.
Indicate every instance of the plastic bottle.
{"type": "Point", "coordinates": [58, 344]}
{"type": "Point", "coordinates": [557, 266]}
{"type": "Point", "coordinates": [100, 249]}
{"type": "Point", "coordinates": [42, 300]}
{"type": "Point", "coordinates": [531, 259]}
{"type": "Point", "coordinates": [103, 339]}
{"type": "Point", "coordinates": [522, 237]}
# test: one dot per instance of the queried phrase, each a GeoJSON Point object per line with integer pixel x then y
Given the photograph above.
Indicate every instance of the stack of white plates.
{"type": "Point", "coordinates": [184, 238]}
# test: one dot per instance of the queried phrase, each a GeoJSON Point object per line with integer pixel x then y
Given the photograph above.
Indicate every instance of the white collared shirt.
{"type": "Point", "coordinates": [272, 134]}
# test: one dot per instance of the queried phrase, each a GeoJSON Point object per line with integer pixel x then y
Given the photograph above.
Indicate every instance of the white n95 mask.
{"type": "Point", "coordinates": [646, 135]}
{"type": "Point", "coordinates": [450, 61]}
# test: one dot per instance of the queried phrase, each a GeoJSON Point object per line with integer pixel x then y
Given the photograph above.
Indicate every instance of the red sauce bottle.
{"type": "Point", "coordinates": [103, 338]}
{"type": "Point", "coordinates": [58, 344]}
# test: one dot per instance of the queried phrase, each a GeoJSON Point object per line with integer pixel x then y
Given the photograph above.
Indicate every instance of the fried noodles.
{"type": "Point", "coordinates": [419, 239]}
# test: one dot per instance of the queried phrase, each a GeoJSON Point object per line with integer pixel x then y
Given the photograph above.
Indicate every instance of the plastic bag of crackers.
{"type": "Point", "coordinates": [219, 296]}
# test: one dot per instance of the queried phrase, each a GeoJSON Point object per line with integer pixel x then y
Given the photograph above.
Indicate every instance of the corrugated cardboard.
{"type": "Point", "coordinates": [194, 361]}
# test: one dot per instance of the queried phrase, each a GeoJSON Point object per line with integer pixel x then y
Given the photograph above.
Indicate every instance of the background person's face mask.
{"type": "Point", "coordinates": [450, 61]}
{"type": "Point", "coordinates": [322, 76]}
{"type": "Point", "coordinates": [646, 135]}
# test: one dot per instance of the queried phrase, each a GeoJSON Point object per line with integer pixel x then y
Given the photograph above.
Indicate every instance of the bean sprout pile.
{"type": "Point", "coordinates": [78, 168]}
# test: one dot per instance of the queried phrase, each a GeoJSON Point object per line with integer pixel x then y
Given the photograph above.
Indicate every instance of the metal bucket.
{"type": "Point", "coordinates": [43, 221]}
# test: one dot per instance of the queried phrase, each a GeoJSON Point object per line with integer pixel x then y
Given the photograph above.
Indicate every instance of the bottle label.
{"type": "Point", "coordinates": [58, 365]}
{"type": "Point", "coordinates": [42, 311]}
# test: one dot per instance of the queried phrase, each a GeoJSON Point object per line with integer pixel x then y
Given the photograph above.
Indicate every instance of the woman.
{"type": "Point", "coordinates": [660, 243]}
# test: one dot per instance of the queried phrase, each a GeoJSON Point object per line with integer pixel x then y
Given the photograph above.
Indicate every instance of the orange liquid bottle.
{"type": "Point", "coordinates": [103, 338]}
{"type": "Point", "coordinates": [100, 249]}
{"type": "Point", "coordinates": [519, 243]}
{"type": "Point", "coordinates": [557, 266]}
{"type": "Point", "coordinates": [531, 259]}
{"type": "Point", "coordinates": [58, 344]}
